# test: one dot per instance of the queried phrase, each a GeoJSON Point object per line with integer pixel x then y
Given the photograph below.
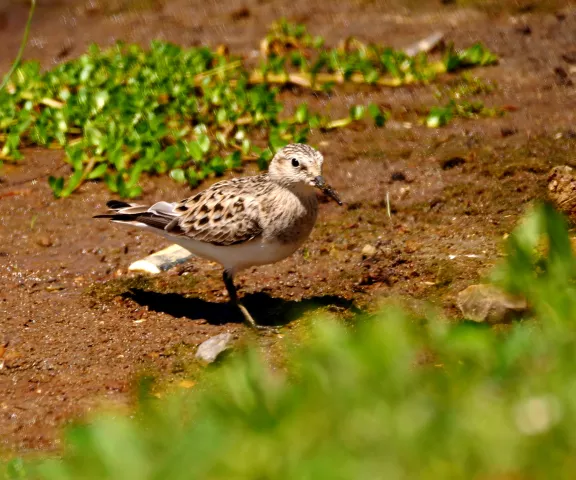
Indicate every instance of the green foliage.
{"type": "Point", "coordinates": [476, 55]}
{"type": "Point", "coordinates": [439, 116]}
{"type": "Point", "coordinates": [458, 105]}
{"type": "Point", "coordinates": [22, 45]}
{"type": "Point", "coordinates": [393, 397]}
{"type": "Point", "coordinates": [294, 56]}
{"type": "Point", "coordinates": [541, 265]}
{"type": "Point", "coordinates": [124, 111]}
{"type": "Point", "coordinates": [190, 113]}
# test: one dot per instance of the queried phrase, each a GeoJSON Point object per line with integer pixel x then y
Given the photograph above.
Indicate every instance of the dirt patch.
{"type": "Point", "coordinates": [75, 327]}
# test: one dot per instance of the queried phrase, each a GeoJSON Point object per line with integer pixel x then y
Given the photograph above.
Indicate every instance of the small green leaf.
{"type": "Point", "coordinates": [195, 151]}
{"type": "Point", "coordinates": [93, 135]}
{"type": "Point", "coordinates": [315, 121]}
{"type": "Point", "coordinates": [371, 76]}
{"type": "Point", "coordinates": [97, 172]}
{"type": "Point", "coordinates": [246, 146]}
{"type": "Point", "coordinates": [204, 143]}
{"type": "Point", "coordinates": [192, 177]}
{"type": "Point", "coordinates": [56, 184]}
{"type": "Point", "coordinates": [357, 112]}
{"type": "Point", "coordinates": [218, 165]}
{"type": "Point", "coordinates": [178, 175]}
{"type": "Point", "coordinates": [234, 160]}
{"type": "Point", "coordinates": [100, 99]}
{"type": "Point", "coordinates": [301, 115]}
{"type": "Point", "coordinates": [438, 117]}
{"type": "Point", "coordinates": [73, 182]}
{"type": "Point", "coordinates": [276, 141]}
{"type": "Point", "coordinates": [377, 115]}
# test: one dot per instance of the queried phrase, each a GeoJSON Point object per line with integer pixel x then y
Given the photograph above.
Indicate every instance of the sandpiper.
{"type": "Point", "coordinates": [242, 222]}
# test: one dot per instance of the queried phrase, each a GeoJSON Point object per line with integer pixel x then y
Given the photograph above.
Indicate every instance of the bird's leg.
{"type": "Point", "coordinates": [229, 282]}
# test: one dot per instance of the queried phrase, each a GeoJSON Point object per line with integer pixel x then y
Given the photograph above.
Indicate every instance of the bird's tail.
{"type": "Point", "coordinates": [159, 216]}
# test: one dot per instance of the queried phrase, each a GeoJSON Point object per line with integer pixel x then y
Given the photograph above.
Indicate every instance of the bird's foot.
{"type": "Point", "coordinates": [262, 329]}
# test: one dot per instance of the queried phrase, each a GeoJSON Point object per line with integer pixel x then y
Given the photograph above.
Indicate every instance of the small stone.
{"type": "Point", "coordinates": [369, 251]}
{"type": "Point", "coordinates": [161, 261]}
{"type": "Point", "coordinates": [428, 44]}
{"type": "Point", "coordinates": [487, 303]}
{"type": "Point", "coordinates": [44, 241]}
{"type": "Point", "coordinates": [212, 348]}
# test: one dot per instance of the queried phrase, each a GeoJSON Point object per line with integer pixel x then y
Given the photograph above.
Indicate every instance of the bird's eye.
{"type": "Point", "coordinates": [295, 163]}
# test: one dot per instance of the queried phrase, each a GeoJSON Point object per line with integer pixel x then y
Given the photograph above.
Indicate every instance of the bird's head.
{"type": "Point", "coordinates": [298, 164]}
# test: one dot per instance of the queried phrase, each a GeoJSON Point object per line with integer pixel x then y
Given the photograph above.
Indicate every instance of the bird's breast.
{"type": "Point", "coordinates": [293, 223]}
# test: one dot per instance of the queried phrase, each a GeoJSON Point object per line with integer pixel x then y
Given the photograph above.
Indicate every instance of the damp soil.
{"type": "Point", "coordinates": [77, 328]}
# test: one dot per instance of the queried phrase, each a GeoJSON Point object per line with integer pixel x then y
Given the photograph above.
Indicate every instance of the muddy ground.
{"type": "Point", "coordinates": [76, 328]}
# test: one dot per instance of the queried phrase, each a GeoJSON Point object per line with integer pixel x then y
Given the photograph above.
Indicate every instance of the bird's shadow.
{"type": "Point", "coordinates": [266, 310]}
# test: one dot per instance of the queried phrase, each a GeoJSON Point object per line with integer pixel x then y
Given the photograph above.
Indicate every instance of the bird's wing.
{"type": "Point", "coordinates": [227, 213]}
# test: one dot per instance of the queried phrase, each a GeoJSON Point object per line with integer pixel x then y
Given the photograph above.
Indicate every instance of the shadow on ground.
{"type": "Point", "coordinates": [266, 310]}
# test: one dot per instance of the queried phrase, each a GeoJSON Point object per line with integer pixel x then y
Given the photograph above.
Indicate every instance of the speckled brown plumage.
{"type": "Point", "coordinates": [241, 222]}
{"type": "Point", "coordinates": [237, 210]}
{"type": "Point", "coordinates": [225, 214]}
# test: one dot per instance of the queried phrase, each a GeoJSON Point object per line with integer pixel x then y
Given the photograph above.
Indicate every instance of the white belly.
{"type": "Point", "coordinates": [240, 256]}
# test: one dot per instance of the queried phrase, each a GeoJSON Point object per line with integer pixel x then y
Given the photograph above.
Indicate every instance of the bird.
{"type": "Point", "coordinates": [241, 222]}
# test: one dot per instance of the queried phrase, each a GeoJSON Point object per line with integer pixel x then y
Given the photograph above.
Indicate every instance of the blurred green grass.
{"type": "Point", "coordinates": [391, 397]}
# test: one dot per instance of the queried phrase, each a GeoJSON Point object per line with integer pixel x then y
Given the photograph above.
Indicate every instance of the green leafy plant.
{"type": "Point", "coordinates": [293, 56]}
{"type": "Point", "coordinates": [476, 55]}
{"type": "Point", "coordinates": [190, 113]}
{"type": "Point", "coordinates": [125, 111]}
{"type": "Point", "coordinates": [458, 104]}
{"type": "Point", "coordinates": [439, 116]}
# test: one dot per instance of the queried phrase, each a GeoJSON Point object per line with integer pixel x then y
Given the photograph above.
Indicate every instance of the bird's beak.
{"type": "Point", "coordinates": [327, 189]}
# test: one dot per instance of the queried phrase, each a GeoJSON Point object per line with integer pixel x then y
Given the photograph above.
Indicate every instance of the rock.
{"type": "Point", "coordinates": [212, 348]}
{"type": "Point", "coordinates": [562, 190]}
{"type": "Point", "coordinates": [44, 241]}
{"type": "Point", "coordinates": [162, 260]}
{"type": "Point", "coordinates": [54, 287]}
{"type": "Point", "coordinates": [369, 251]}
{"type": "Point", "coordinates": [425, 45]}
{"type": "Point", "coordinates": [487, 303]}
